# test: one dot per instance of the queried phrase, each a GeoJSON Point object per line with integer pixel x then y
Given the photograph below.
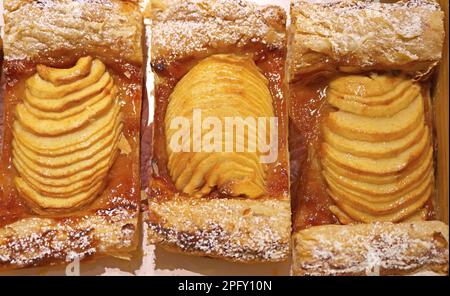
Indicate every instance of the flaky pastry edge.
{"type": "Point", "coordinates": [106, 27]}
{"type": "Point", "coordinates": [91, 27]}
{"type": "Point", "coordinates": [357, 36]}
{"type": "Point", "coordinates": [372, 249]}
{"type": "Point", "coordinates": [236, 230]}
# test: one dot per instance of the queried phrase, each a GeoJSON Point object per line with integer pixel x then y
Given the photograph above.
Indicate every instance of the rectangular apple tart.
{"type": "Point", "coordinates": [1, 98]}
{"type": "Point", "coordinates": [69, 170]}
{"type": "Point", "coordinates": [361, 137]}
{"type": "Point", "coordinates": [219, 183]}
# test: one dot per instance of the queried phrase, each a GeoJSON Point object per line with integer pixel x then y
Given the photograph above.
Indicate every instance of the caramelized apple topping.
{"type": "Point", "coordinates": [66, 135]}
{"type": "Point", "coordinates": [377, 151]}
{"type": "Point", "coordinates": [219, 88]}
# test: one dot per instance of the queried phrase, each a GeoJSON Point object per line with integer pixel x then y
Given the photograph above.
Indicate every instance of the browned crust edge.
{"type": "Point", "coordinates": [372, 249]}
{"type": "Point", "coordinates": [355, 36]}
{"type": "Point", "coordinates": [84, 25]}
{"type": "Point", "coordinates": [37, 241]}
{"type": "Point", "coordinates": [245, 231]}
{"type": "Point", "coordinates": [182, 29]}
{"type": "Point", "coordinates": [236, 230]}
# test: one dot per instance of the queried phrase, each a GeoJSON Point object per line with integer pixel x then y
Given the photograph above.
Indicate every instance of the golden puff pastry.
{"type": "Point", "coordinates": [70, 153]}
{"type": "Point", "coordinates": [361, 108]}
{"type": "Point", "coordinates": [226, 59]}
{"type": "Point", "coordinates": [353, 36]}
{"type": "Point", "coordinates": [372, 249]}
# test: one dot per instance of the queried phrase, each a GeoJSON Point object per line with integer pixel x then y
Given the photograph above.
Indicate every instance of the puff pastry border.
{"type": "Point", "coordinates": [235, 230]}
{"type": "Point", "coordinates": [186, 28]}
{"type": "Point", "coordinates": [378, 248]}
{"type": "Point", "coordinates": [74, 26]}
{"type": "Point", "coordinates": [231, 229]}
{"type": "Point", "coordinates": [372, 249]}
{"type": "Point", "coordinates": [411, 36]}
{"type": "Point", "coordinates": [36, 241]}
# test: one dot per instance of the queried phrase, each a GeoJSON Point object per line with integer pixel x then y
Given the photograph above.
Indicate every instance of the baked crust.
{"type": "Point", "coordinates": [1, 95]}
{"type": "Point", "coordinates": [110, 30]}
{"type": "Point", "coordinates": [41, 241]}
{"type": "Point", "coordinates": [185, 28]}
{"type": "Point", "coordinates": [331, 39]}
{"type": "Point", "coordinates": [234, 229]}
{"type": "Point", "coordinates": [75, 26]}
{"type": "Point", "coordinates": [357, 36]}
{"type": "Point", "coordinates": [372, 249]}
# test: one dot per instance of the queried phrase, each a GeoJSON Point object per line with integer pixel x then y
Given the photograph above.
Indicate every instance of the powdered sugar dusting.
{"type": "Point", "coordinates": [368, 34]}
{"type": "Point", "coordinates": [34, 28]}
{"type": "Point", "coordinates": [240, 230]}
{"type": "Point", "coordinates": [194, 27]}
{"type": "Point", "coordinates": [373, 249]}
{"type": "Point", "coordinates": [37, 241]}
{"type": "Point", "coordinates": [236, 230]}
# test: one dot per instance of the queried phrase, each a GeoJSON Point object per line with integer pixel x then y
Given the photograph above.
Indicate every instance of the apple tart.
{"type": "Point", "coordinates": [70, 155]}
{"type": "Point", "coordinates": [1, 98]}
{"type": "Point", "coordinates": [362, 147]}
{"type": "Point", "coordinates": [214, 191]}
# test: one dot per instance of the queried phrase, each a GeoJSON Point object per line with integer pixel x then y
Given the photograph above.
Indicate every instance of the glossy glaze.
{"type": "Point", "coordinates": [271, 63]}
{"type": "Point", "coordinates": [307, 110]}
{"type": "Point", "coordinates": [123, 186]}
